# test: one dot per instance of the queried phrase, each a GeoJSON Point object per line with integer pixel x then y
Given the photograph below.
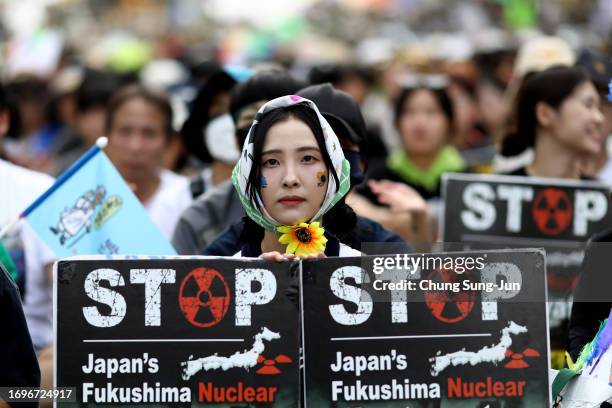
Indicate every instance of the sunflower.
{"type": "Point", "coordinates": [303, 239]}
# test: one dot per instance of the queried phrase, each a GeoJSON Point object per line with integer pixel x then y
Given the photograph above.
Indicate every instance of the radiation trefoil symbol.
{"type": "Point", "coordinates": [447, 306]}
{"type": "Point", "coordinates": [552, 211]}
{"type": "Point", "coordinates": [204, 297]}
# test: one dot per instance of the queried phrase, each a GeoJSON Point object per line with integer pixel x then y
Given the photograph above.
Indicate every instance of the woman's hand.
{"type": "Point", "coordinates": [398, 196]}
{"type": "Point", "coordinates": [312, 256]}
{"type": "Point", "coordinates": [277, 256]}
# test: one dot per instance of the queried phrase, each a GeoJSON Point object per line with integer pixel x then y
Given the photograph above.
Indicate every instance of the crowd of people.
{"type": "Point", "coordinates": [222, 158]}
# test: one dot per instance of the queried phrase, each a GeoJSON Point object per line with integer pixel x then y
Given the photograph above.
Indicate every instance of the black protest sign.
{"type": "Point", "coordinates": [504, 211]}
{"type": "Point", "coordinates": [178, 331]}
{"type": "Point", "coordinates": [444, 330]}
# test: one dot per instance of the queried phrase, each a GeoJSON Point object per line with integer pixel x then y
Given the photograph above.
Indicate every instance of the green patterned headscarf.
{"type": "Point", "coordinates": [240, 174]}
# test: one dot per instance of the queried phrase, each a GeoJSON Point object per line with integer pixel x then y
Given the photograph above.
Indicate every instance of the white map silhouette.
{"type": "Point", "coordinates": [245, 359]}
{"type": "Point", "coordinates": [489, 354]}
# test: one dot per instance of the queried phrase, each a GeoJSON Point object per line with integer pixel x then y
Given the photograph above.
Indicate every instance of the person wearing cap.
{"type": "Point", "coordinates": [344, 116]}
{"type": "Point", "coordinates": [219, 207]}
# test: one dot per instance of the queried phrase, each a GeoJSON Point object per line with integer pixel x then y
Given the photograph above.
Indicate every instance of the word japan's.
{"type": "Point", "coordinates": [110, 366]}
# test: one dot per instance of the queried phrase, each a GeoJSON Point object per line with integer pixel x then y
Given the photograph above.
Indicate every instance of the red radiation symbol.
{"type": "Point", "coordinates": [204, 297]}
{"type": "Point", "coordinates": [516, 359]}
{"type": "Point", "coordinates": [552, 211]}
{"type": "Point", "coordinates": [269, 365]}
{"type": "Point", "coordinates": [446, 305]}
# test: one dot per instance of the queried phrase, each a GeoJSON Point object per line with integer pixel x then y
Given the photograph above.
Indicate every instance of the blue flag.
{"type": "Point", "coordinates": [91, 210]}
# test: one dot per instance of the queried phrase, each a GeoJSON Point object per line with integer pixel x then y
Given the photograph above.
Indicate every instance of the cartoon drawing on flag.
{"type": "Point", "coordinates": [80, 215]}
{"type": "Point", "coordinates": [91, 210]}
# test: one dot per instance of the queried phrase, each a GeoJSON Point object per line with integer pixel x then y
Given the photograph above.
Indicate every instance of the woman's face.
{"type": "Point", "coordinates": [579, 122]}
{"type": "Point", "coordinates": [294, 176]}
{"type": "Point", "coordinates": [423, 126]}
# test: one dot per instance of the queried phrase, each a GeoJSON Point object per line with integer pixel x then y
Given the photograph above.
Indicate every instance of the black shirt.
{"type": "Point", "coordinates": [593, 294]}
{"type": "Point", "coordinates": [19, 366]}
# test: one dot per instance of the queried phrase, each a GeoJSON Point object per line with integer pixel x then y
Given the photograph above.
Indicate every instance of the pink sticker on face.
{"type": "Point", "coordinates": [295, 98]}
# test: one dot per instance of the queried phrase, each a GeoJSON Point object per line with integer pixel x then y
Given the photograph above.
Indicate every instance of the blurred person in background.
{"type": "Point", "coordinates": [357, 82]}
{"type": "Point", "coordinates": [171, 77]}
{"type": "Point", "coordinates": [535, 55]}
{"type": "Point", "coordinates": [139, 126]}
{"type": "Point", "coordinates": [208, 132]}
{"type": "Point", "coordinates": [29, 94]}
{"type": "Point", "coordinates": [599, 69]}
{"type": "Point", "coordinates": [29, 262]}
{"type": "Point", "coordinates": [219, 206]}
{"type": "Point", "coordinates": [492, 105]}
{"type": "Point", "coordinates": [468, 132]}
{"type": "Point", "coordinates": [557, 115]}
{"type": "Point", "coordinates": [424, 117]}
{"type": "Point", "coordinates": [92, 96]}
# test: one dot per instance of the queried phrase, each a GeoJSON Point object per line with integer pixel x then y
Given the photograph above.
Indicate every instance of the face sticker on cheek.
{"type": "Point", "coordinates": [321, 178]}
{"type": "Point", "coordinates": [263, 182]}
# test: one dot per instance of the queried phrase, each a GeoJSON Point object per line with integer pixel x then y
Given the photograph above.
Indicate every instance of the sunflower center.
{"type": "Point", "coordinates": [303, 235]}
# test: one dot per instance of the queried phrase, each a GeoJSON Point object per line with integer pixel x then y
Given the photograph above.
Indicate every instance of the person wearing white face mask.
{"type": "Point", "coordinates": [208, 132]}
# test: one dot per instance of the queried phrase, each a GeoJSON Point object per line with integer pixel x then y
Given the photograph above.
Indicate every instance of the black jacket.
{"type": "Point", "coordinates": [19, 366]}
{"type": "Point", "coordinates": [593, 294]}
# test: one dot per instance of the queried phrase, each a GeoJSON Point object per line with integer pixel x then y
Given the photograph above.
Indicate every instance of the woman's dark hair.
{"type": "Point", "coordinates": [126, 94]}
{"type": "Point", "coordinates": [552, 87]}
{"type": "Point", "coordinates": [440, 94]}
{"type": "Point", "coordinates": [340, 219]}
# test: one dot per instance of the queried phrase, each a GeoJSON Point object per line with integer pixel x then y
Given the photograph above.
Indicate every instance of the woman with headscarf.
{"type": "Point", "coordinates": [291, 179]}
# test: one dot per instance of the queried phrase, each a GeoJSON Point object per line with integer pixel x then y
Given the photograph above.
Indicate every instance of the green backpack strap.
{"type": "Point", "coordinates": [8, 263]}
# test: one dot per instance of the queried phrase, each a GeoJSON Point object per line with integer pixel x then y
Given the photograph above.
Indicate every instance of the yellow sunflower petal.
{"type": "Point", "coordinates": [315, 224]}
{"type": "Point", "coordinates": [285, 239]}
{"type": "Point", "coordinates": [292, 247]}
{"type": "Point", "coordinates": [284, 229]}
{"type": "Point", "coordinates": [319, 247]}
{"type": "Point", "coordinates": [316, 234]}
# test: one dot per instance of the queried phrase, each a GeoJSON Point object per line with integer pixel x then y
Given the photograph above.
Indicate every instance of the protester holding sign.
{"type": "Point", "coordinates": [563, 123]}
{"type": "Point", "coordinates": [292, 176]}
{"type": "Point", "coordinates": [344, 116]}
{"type": "Point", "coordinates": [219, 206]}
